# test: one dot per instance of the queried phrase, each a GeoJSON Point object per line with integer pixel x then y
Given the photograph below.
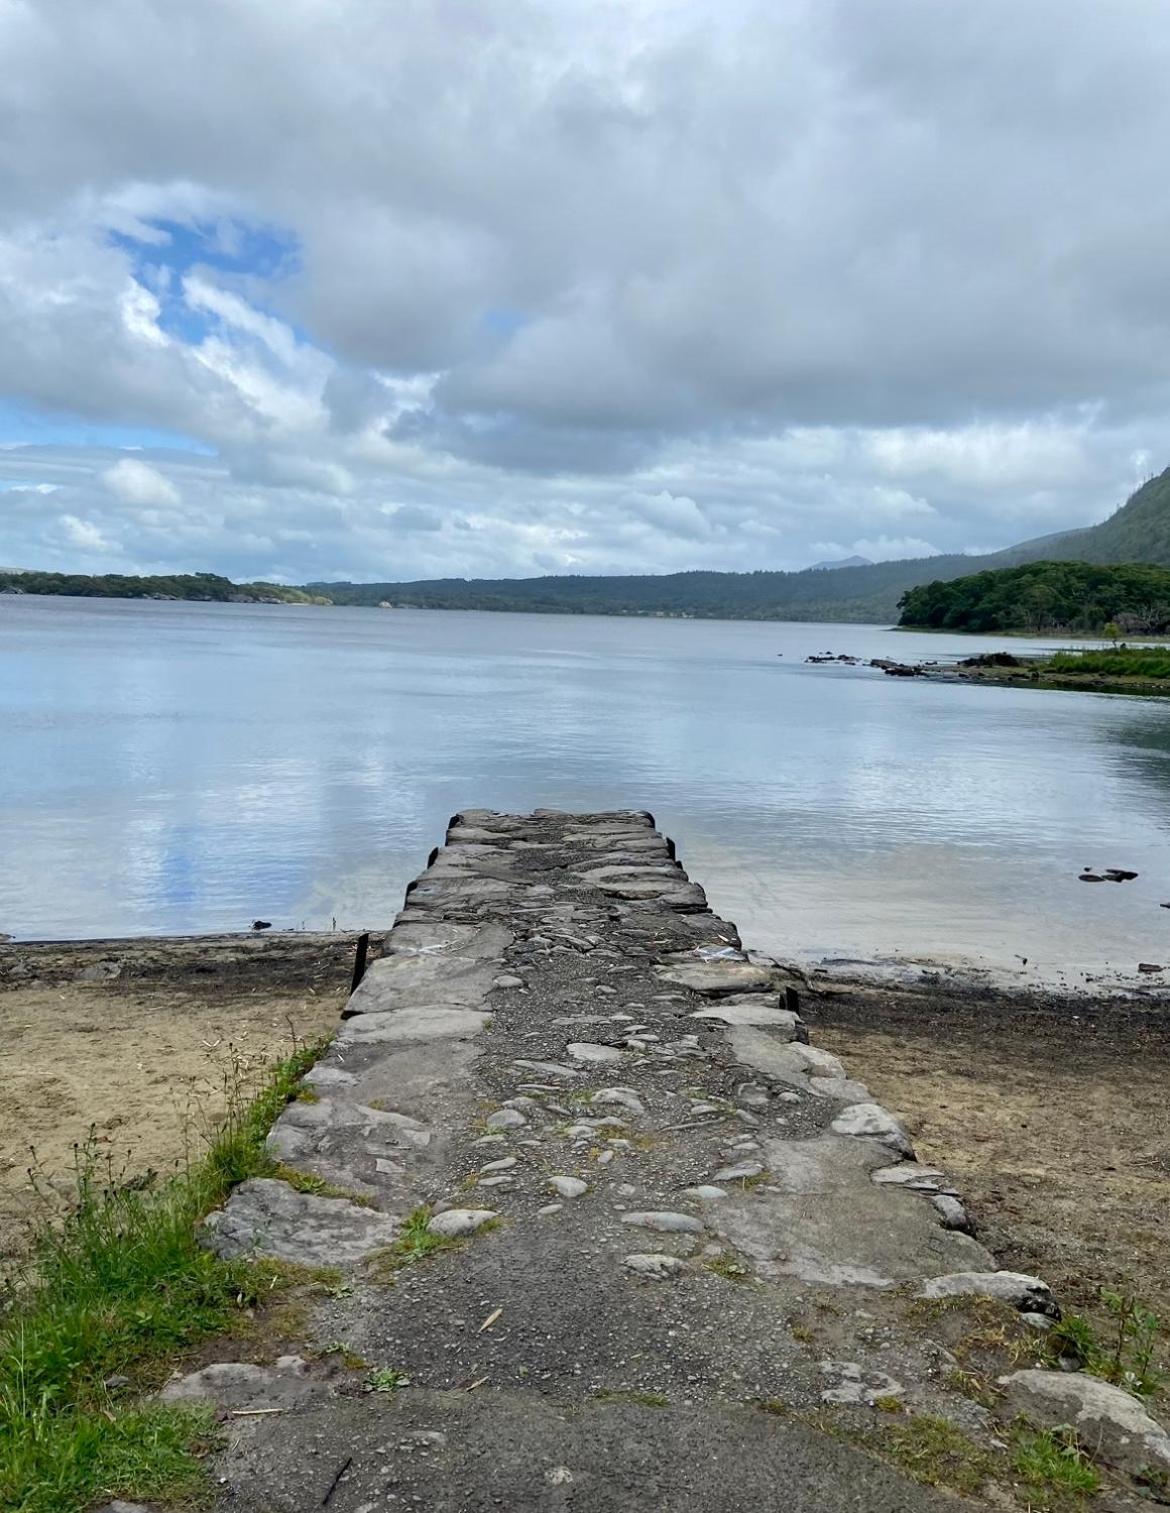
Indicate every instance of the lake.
{"type": "Point", "coordinates": [175, 768]}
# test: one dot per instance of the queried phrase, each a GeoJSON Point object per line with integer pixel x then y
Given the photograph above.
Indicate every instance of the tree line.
{"type": "Point", "coordinates": [1046, 597]}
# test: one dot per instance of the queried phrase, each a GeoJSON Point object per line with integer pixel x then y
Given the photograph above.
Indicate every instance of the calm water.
{"type": "Point", "coordinates": [170, 768]}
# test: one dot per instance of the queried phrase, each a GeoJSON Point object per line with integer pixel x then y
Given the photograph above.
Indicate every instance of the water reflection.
{"type": "Point", "coordinates": [179, 767]}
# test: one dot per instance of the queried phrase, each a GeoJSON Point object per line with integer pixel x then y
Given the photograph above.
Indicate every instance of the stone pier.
{"type": "Point", "coordinates": [594, 1202]}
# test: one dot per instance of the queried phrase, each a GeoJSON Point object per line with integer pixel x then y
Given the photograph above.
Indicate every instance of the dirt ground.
{"type": "Point", "coordinates": [135, 1039]}
{"type": "Point", "coordinates": [1051, 1115]}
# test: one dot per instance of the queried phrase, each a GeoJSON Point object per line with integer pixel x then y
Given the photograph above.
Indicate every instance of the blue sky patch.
{"type": "Point", "coordinates": [20, 425]}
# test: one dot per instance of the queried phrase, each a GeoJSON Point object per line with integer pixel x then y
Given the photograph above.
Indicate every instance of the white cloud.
{"type": "Point", "coordinates": [84, 535]}
{"type": "Point", "coordinates": [137, 482]}
{"type": "Point", "coordinates": [602, 285]}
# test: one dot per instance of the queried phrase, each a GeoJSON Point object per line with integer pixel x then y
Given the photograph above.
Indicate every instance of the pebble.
{"type": "Point", "coordinates": [605, 1158]}
{"type": "Point", "coordinates": [504, 1182]}
{"type": "Point", "coordinates": [605, 991]}
{"type": "Point", "coordinates": [738, 1173]}
{"type": "Point", "coordinates": [568, 1187]}
{"type": "Point", "coordinates": [651, 1264]}
{"type": "Point", "coordinates": [586, 1050]}
{"type": "Point", "coordinates": [455, 1222]}
{"type": "Point", "coordinates": [508, 981]}
{"type": "Point", "coordinates": [665, 1222]}
{"type": "Point", "coordinates": [705, 1193]}
{"type": "Point", "coordinates": [951, 1211]}
{"type": "Point", "coordinates": [622, 1097]}
{"type": "Point", "coordinates": [752, 1095]}
{"type": "Point", "coordinates": [505, 1118]}
{"type": "Point", "coordinates": [548, 1209]}
{"type": "Point", "coordinates": [506, 1163]}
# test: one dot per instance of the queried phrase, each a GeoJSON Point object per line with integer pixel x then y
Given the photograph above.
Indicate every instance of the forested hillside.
{"type": "Point", "coordinates": [206, 588]}
{"type": "Point", "coordinates": [1046, 597]}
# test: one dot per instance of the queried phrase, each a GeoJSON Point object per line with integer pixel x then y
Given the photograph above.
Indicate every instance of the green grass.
{"type": "Point", "coordinates": [1119, 662]}
{"type": "Point", "coordinates": [1053, 1461]}
{"type": "Point", "coordinates": [316, 1187]}
{"type": "Point", "coordinates": [728, 1267]}
{"type": "Point", "coordinates": [936, 1452]}
{"type": "Point", "coordinates": [119, 1287]}
{"type": "Point", "coordinates": [414, 1243]}
{"type": "Point", "coordinates": [1124, 1355]}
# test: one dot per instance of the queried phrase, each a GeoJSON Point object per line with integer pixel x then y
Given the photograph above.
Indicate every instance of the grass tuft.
{"type": "Point", "coordinates": [934, 1451]}
{"type": "Point", "coordinates": [1125, 1356]}
{"type": "Point", "coordinates": [316, 1187]}
{"type": "Point", "coordinates": [1053, 1460]}
{"type": "Point", "coordinates": [116, 1285]}
{"type": "Point", "coordinates": [728, 1267]}
{"type": "Point", "coordinates": [414, 1243]}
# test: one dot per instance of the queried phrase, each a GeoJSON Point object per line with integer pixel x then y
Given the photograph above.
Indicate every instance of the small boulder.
{"type": "Point", "coordinates": [456, 1222]}
{"type": "Point", "coordinates": [569, 1187]}
{"type": "Point", "coordinates": [870, 1119]}
{"type": "Point", "coordinates": [665, 1223]}
{"type": "Point", "coordinates": [619, 1097]}
{"type": "Point", "coordinates": [742, 1173]}
{"type": "Point", "coordinates": [952, 1212]}
{"type": "Point", "coordinates": [1028, 1294]}
{"type": "Point", "coordinates": [1112, 1425]}
{"type": "Point", "coordinates": [589, 1051]}
{"type": "Point", "coordinates": [653, 1265]}
{"type": "Point", "coordinates": [505, 1118]}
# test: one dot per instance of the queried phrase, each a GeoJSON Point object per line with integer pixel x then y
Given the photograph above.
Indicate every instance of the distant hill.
{"type": "Point", "coordinates": [1139, 532]}
{"type": "Point", "coordinates": [1044, 598]}
{"type": "Point", "coordinates": [825, 567]}
{"type": "Point", "coordinates": [204, 588]}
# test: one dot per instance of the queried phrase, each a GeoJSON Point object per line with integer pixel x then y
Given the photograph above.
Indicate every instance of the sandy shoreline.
{"type": "Point", "coordinates": [1049, 1109]}
{"type": "Point", "coordinates": [135, 1037]}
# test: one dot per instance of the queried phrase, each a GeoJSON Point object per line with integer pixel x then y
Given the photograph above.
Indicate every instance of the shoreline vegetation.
{"type": "Point", "coordinates": [1114, 669]}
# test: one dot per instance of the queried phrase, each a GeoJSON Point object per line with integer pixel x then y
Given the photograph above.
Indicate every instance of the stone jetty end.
{"type": "Point", "coordinates": [606, 1231]}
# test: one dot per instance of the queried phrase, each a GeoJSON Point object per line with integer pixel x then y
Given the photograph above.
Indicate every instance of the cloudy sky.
{"type": "Point", "coordinates": [341, 288]}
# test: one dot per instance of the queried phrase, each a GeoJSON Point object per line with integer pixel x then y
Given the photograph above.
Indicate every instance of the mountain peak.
{"type": "Point", "coordinates": [831, 563]}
